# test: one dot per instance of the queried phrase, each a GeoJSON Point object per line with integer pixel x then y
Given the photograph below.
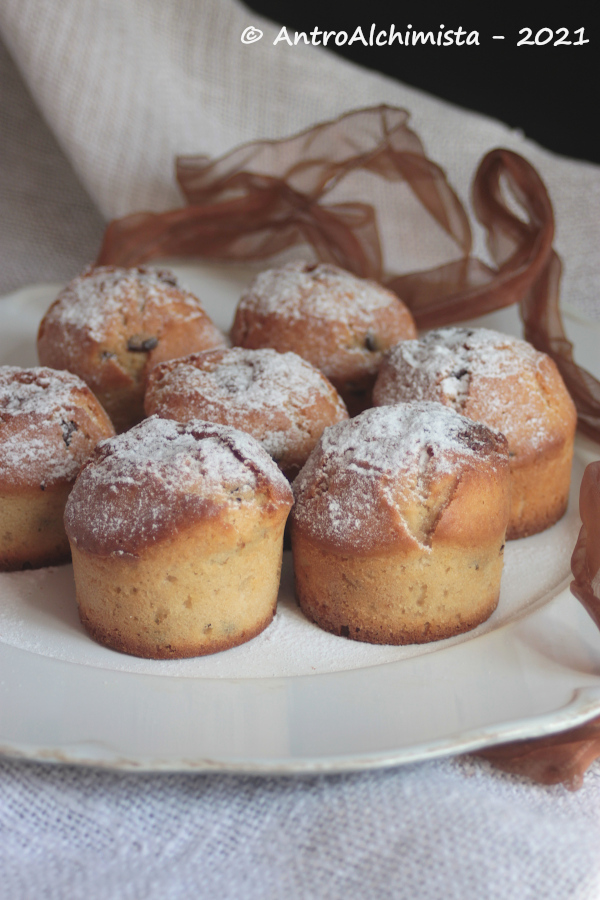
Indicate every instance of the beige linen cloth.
{"type": "Point", "coordinates": [123, 86]}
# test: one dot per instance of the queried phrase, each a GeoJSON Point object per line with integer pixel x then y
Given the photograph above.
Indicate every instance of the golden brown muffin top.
{"type": "Point", "coordinates": [327, 315]}
{"type": "Point", "coordinates": [487, 376]}
{"type": "Point", "coordinates": [111, 326]}
{"type": "Point", "coordinates": [163, 476]}
{"type": "Point", "coordinates": [105, 302]}
{"type": "Point", "coordinates": [279, 398]}
{"type": "Point", "coordinates": [49, 424]}
{"type": "Point", "coordinates": [397, 475]}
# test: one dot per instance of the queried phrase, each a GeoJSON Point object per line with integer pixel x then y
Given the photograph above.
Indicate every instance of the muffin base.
{"type": "Point", "coordinates": [32, 533]}
{"type": "Point", "coordinates": [539, 492]}
{"type": "Point", "coordinates": [188, 596]}
{"type": "Point", "coordinates": [391, 598]}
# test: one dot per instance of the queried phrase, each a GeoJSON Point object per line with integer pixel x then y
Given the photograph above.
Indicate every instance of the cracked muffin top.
{"type": "Point", "coordinates": [162, 477]}
{"type": "Point", "coordinates": [403, 475]}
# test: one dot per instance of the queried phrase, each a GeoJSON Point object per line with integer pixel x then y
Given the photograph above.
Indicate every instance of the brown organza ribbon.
{"type": "Point", "coordinates": [559, 759]}
{"type": "Point", "coordinates": [359, 192]}
{"type": "Point", "coordinates": [342, 185]}
{"type": "Point", "coordinates": [585, 562]}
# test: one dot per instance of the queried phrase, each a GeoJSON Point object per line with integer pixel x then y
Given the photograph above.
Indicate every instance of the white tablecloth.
{"type": "Point", "coordinates": [453, 828]}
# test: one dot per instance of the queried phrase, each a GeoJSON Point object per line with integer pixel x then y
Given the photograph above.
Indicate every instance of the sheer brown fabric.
{"type": "Point", "coordinates": [263, 198]}
{"type": "Point", "coordinates": [585, 562]}
{"type": "Point", "coordinates": [559, 759]}
{"type": "Point", "coordinates": [360, 192]}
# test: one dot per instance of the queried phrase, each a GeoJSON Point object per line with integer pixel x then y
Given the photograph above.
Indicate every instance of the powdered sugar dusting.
{"type": "Point", "coordinates": [161, 475]}
{"type": "Point", "coordinates": [367, 471]}
{"type": "Point", "coordinates": [99, 296]}
{"type": "Point", "coordinates": [191, 457]}
{"type": "Point", "coordinates": [298, 290]}
{"type": "Point", "coordinates": [267, 393]}
{"type": "Point", "coordinates": [447, 358]}
{"type": "Point", "coordinates": [258, 380]}
{"type": "Point", "coordinates": [485, 375]}
{"type": "Point", "coordinates": [36, 409]}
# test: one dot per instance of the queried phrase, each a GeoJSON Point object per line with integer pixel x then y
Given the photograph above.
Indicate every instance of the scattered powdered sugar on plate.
{"type": "Point", "coordinates": [39, 613]}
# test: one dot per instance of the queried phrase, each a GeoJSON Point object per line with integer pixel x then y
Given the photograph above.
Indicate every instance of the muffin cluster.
{"type": "Point", "coordinates": [175, 459]}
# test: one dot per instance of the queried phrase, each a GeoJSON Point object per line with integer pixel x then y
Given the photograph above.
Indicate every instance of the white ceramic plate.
{"type": "Point", "coordinates": [295, 699]}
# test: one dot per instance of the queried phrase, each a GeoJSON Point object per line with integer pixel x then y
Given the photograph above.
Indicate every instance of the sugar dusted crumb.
{"type": "Point", "coordinates": [449, 365]}
{"type": "Point", "coordinates": [160, 474]}
{"type": "Point", "coordinates": [376, 463]}
{"type": "Point", "coordinates": [249, 386]}
{"type": "Point", "coordinates": [80, 304]}
{"type": "Point", "coordinates": [296, 290]}
{"type": "Point", "coordinates": [32, 403]}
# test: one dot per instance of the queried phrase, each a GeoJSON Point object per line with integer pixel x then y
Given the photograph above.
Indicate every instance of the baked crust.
{"type": "Point", "coordinates": [338, 322]}
{"type": "Point", "coordinates": [398, 598]}
{"type": "Point", "coordinates": [176, 532]}
{"type": "Point", "coordinates": [111, 326]}
{"type": "Point", "coordinates": [278, 398]}
{"type": "Point", "coordinates": [511, 387]}
{"type": "Point", "coordinates": [50, 423]}
{"type": "Point", "coordinates": [162, 477]}
{"type": "Point", "coordinates": [179, 598]}
{"type": "Point", "coordinates": [399, 525]}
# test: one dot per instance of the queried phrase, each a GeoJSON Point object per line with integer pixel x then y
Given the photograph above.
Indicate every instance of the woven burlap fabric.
{"type": "Point", "coordinates": [432, 831]}
{"type": "Point", "coordinates": [75, 150]}
{"type": "Point", "coordinates": [49, 227]}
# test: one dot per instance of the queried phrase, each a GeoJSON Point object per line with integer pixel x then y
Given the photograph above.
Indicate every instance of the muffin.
{"type": "Point", "coordinates": [338, 322]}
{"type": "Point", "coordinates": [110, 326]}
{"type": "Point", "coordinates": [511, 387]}
{"type": "Point", "coordinates": [399, 524]}
{"type": "Point", "coordinates": [176, 532]}
{"type": "Point", "coordinates": [49, 424]}
{"type": "Point", "coordinates": [278, 398]}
